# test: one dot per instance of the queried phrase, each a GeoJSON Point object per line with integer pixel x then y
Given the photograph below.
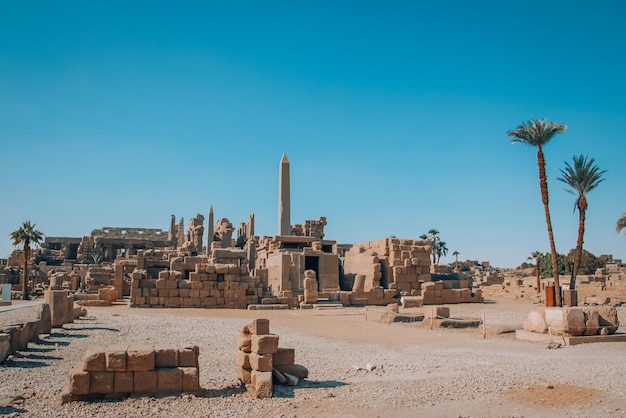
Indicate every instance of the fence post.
{"type": "Point", "coordinates": [484, 331]}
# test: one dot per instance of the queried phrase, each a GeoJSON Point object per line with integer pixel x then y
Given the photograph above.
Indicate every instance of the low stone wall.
{"type": "Point", "coordinates": [260, 361]}
{"type": "Point", "coordinates": [16, 337]}
{"type": "Point", "coordinates": [122, 370]}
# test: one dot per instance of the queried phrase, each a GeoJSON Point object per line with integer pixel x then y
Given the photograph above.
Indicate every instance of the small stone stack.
{"type": "Point", "coordinates": [121, 370]}
{"type": "Point", "coordinates": [310, 287]}
{"type": "Point", "coordinates": [260, 360]}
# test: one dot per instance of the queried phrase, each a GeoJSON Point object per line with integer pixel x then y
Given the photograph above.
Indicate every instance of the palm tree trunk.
{"type": "Point", "coordinates": [538, 276]}
{"type": "Point", "coordinates": [543, 186]}
{"type": "Point", "coordinates": [578, 254]}
{"type": "Point", "coordinates": [25, 280]}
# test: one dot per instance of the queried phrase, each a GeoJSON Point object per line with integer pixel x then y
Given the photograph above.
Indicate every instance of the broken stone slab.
{"type": "Point", "coordinates": [565, 321]}
{"type": "Point", "coordinates": [535, 321]}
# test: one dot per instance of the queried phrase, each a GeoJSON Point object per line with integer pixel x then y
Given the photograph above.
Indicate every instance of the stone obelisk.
{"type": "Point", "coordinates": [211, 232]}
{"type": "Point", "coordinates": [284, 198]}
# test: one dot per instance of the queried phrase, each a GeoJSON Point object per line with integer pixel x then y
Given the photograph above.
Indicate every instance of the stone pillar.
{"type": "Point", "coordinates": [119, 279]}
{"type": "Point", "coordinates": [250, 229]}
{"type": "Point", "coordinates": [284, 198]}
{"type": "Point", "coordinates": [59, 306]}
{"type": "Point", "coordinates": [211, 231]}
{"type": "Point", "coordinates": [251, 254]}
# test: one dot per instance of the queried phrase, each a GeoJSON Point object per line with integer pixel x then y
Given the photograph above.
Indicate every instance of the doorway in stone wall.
{"type": "Point", "coordinates": [313, 263]}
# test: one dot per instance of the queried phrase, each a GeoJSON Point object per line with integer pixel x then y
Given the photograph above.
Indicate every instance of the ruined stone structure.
{"type": "Point", "coordinates": [282, 260]}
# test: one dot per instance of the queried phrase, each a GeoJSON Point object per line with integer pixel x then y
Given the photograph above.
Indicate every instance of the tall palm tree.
{"type": "Point", "coordinates": [621, 223]}
{"type": "Point", "coordinates": [582, 177]}
{"type": "Point", "coordinates": [24, 236]}
{"type": "Point", "coordinates": [456, 263]}
{"type": "Point", "coordinates": [535, 256]}
{"type": "Point", "coordinates": [537, 133]}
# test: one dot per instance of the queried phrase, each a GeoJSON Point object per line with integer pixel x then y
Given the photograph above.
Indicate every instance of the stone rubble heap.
{"type": "Point", "coordinates": [260, 361]}
{"type": "Point", "coordinates": [121, 370]}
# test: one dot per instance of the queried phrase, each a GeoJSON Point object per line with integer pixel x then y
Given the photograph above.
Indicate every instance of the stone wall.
{"type": "Point", "coordinates": [209, 286]}
{"type": "Point", "coordinates": [16, 337]}
{"type": "Point", "coordinates": [123, 370]}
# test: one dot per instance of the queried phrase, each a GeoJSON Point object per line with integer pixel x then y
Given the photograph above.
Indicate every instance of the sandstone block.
{"type": "Point", "coordinates": [592, 321]}
{"type": "Point", "coordinates": [259, 327]}
{"type": "Point", "coordinates": [140, 358]}
{"type": "Point", "coordinates": [123, 382]}
{"type": "Point", "coordinates": [260, 362]}
{"type": "Point", "coordinates": [261, 385]}
{"type": "Point", "coordinates": [244, 343]}
{"type": "Point", "coordinates": [94, 359]}
{"type": "Point", "coordinates": [191, 379]}
{"type": "Point", "coordinates": [535, 321]}
{"type": "Point", "coordinates": [165, 356]}
{"type": "Point", "coordinates": [264, 344]}
{"type": "Point", "coordinates": [243, 359]}
{"type": "Point", "coordinates": [79, 382]}
{"type": "Point", "coordinates": [101, 382]}
{"type": "Point", "coordinates": [188, 356]}
{"type": "Point", "coordinates": [565, 321]}
{"type": "Point", "coordinates": [169, 379]}
{"type": "Point", "coordinates": [115, 358]}
{"type": "Point", "coordinates": [244, 375]}
{"type": "Point", "coordinates": [145, 382]}
{"type": "Point", "coordinates": [284, 357]}
{"type": "Point", "coordinates": [441, 312]}
{"type": "Point", "coordinates": [607, 317]}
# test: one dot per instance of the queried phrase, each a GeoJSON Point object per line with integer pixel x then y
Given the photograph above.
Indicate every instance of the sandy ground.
{"type": "Point", "coordinates": [420, 371]}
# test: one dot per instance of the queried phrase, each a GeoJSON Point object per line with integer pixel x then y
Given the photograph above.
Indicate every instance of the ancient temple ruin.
{"type": "Point", "coordinates": [234, 268]}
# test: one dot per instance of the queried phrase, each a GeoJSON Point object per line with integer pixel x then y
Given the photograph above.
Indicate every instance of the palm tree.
{"type": "Point", "coordinates": [583, 177]}
{"type": "Point", "coordinates": [24, 236]}
{"type": "Point", "coordinates": [456, 262]}
{"type": "Point", "coordinates": [442, 250]}
{"type": "Point", "coordinates": [621, 223]}
{"type": "Point", "coordinates": [537, 133]}
{"type": "Point", "coordinates": [535, 256]}
{"type": "Point", "coordinates": [433, 237]}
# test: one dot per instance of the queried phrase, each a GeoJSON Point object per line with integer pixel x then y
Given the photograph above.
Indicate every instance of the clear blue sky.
{"type": "Point", "coordinates": [393, 115]}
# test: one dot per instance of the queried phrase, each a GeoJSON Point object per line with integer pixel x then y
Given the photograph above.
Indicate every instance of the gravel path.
{"type": "Point", "coordinates": [420, 372]}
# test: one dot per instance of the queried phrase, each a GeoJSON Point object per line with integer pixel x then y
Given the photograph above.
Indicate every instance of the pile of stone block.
{"type": "Point", "coordinates": [260, 361]}
{"type": "Point", "coordinates": [208, 286]}
{"type": "Point", "coordinates": [121, 370]}
{"type": "Point", "coordinates": [573, 321]}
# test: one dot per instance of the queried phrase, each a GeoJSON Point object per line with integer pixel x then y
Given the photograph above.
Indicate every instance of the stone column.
{"type": "Point", "coordinates": [211, 231]}
{"type": "Point", "coordinates": [284, 198]}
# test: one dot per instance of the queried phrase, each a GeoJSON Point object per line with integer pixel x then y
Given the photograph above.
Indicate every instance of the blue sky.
{"type": "Point", "coordinates": [393, 115]}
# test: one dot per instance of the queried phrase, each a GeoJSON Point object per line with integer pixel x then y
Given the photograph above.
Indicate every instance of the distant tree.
{"type": "Point", "coordinates": [438, 248]}
{"type": "Point", "coordinates": [442, 250]}
{"type": "Point", "coordinates": [24, 236]}
{"type": "Point", "coordinates": [537, 133]}
{"type": "Point", "coordinates": [589, 263]}
{"type": "Point", "coordinates": [433, 237]}
{"type": "Point", "coordinates": [536, 256]}
{"type": "Point", "coordinates": [621, 223]}
{"type": "Point", "coordinates": [545, 265]}
{"type": "Point", "coordinates": [582, 177]}
{"type": "Point", "coordinates": [456, 261]}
